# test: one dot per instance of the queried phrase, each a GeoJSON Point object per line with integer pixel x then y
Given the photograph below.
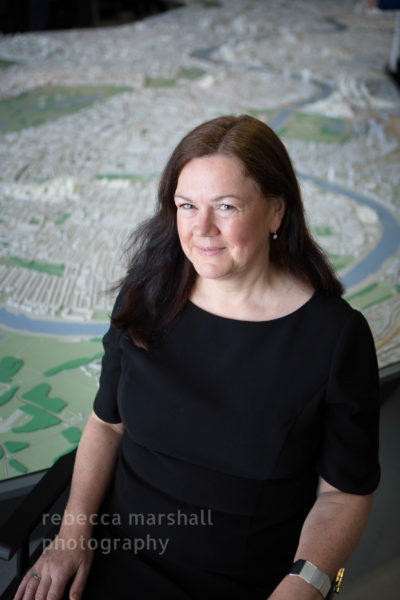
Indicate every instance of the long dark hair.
{"type": "Point", "coordinates": [160, 277]}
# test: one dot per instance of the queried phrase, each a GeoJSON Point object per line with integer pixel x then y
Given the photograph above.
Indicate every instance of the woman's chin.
{"type": "Point", "coordinates": [209, 271]}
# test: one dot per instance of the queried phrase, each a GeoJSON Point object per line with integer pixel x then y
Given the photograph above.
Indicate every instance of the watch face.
{"type": "Point", "coordinates": [297, 567]}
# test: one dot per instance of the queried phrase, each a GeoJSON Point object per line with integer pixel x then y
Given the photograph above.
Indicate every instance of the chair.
{"type": "Point", "coordinates": [16, 531]}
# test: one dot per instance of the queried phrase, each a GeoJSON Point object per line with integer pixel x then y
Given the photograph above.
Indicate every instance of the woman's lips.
{"type": "Point", "coordinates": [209, 250]}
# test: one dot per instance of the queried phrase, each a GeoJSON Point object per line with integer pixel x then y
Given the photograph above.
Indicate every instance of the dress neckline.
{"type": "Point", "coordinates": [275, 320]}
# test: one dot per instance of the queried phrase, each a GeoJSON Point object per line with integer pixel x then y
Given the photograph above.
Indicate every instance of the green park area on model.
{"type": "Point", "coordinates": [15, 464]}
{"type": "Point", "coordinates": [189, 73]}
{"type": "Point", "coordinates": [144, 178]}
{"type": "Point", "coordinates": [9, 366]}
{"type": "Point", "coordinates": [372, 294]}
{"type": "Point", "coordinates": [61, 217]}
{"type": "Point", "coordinates": [47, 103]}
{"type": "Point", "coordinates": [317, 128]}
{"type": "Point", "coordinates": [6, 396]}
{"type": "Point", "coordinates": [322, 230]}
{"type": "Point", "coordinates": [40, 419]}
{"type": "Point", "coordinates": [46, 434]}
{"type": "Point", "coordinates": [39, 395]}
{"type": "Point", "coordinates": [160, 81]}
{"type": "Point", "coordinates": [72, 364]}
{"type": "Point", "coordinates": [5, 62]}
{"type": "Point", "coordinates": [13, 447]}
{"type": "Point", "coordinates": [340, 261]}
{"type": "Point", "coordinates": [72, 435]}
{"type": "Point", "coordinates": [101, 315]}
{"type": "Point", "coordinates": [35, 265]}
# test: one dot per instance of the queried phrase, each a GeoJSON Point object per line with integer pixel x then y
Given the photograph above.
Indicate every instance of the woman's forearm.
{"type": "Point", "coordinates": [330, 533]}
{"type": "Point", "coordinates": [94, 465]}
{"type": "Point", "coordinates": [333, 528]}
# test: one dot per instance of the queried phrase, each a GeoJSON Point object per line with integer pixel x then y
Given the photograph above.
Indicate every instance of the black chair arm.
{"type": "Point", "coordinates": [15, 532]}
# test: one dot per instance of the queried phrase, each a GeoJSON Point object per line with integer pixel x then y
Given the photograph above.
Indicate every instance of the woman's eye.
{"type": "Point", "coordinates": [186, 206]}
{"type": "Point", "coordinates": [226, 207]}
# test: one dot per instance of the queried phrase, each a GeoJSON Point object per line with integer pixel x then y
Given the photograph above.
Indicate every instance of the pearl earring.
{"type": "Point", "coordinates": [275, 236]}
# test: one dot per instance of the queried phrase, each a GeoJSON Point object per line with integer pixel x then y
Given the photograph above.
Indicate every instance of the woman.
{"type": "Point", "coordinates": [235, 428]}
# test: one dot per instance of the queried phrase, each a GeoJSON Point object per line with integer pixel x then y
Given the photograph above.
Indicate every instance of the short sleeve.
{"type": "Point", "coordinates": [105, 402]}
{"type": "Point", "coordinates": [349, 455]}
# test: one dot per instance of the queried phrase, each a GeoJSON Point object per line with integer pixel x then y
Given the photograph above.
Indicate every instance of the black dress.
{"type": "Point", "coordinates": [229, 425]}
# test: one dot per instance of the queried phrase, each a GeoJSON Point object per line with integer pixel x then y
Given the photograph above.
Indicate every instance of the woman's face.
{"type": "Point", "coordinates": [224, 222]}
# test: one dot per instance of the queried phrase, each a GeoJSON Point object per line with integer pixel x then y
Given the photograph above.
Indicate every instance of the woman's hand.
{"type": "Point", "coordinates": [65, 558]}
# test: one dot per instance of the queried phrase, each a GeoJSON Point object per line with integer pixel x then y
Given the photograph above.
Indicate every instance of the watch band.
{"type": "Point", "coordinates": [311, 574]}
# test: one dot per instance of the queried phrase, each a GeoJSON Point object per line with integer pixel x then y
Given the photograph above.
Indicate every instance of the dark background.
{"type": "Point", "coordinates": [40, 15]}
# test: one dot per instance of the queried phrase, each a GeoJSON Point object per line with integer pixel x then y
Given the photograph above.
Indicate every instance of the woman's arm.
{"type": "Point", "coordinates": [330, 533]}
{"type": "Point", "coordinates": [94, 465]}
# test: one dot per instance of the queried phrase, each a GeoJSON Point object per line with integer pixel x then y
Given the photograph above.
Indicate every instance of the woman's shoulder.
{"type": "Point", "coordinates": [335, 314]}
{"type": "Point", "coordinates": [334, 306]}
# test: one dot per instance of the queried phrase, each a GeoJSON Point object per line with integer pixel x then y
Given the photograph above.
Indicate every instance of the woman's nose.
{"type": "Point", "coordinates": [205, 224]}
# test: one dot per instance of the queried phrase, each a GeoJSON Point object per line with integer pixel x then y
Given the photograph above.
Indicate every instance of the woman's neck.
{"type": "Point", "coordinates": [266, 297]}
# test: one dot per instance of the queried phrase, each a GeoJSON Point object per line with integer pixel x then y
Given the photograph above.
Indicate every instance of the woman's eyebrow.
{"type": "Point", "coordinates": [216, 199]}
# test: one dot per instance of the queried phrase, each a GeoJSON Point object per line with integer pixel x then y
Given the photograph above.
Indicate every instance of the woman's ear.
{"type": "Point", "coordinates": [279, 206]}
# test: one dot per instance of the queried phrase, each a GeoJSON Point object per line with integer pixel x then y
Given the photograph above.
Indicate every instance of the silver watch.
{"type": "Point", "coordinates": [313, 575]}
